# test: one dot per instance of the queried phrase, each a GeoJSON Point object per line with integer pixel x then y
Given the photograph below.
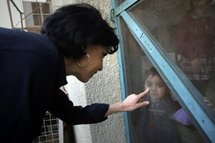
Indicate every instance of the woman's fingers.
{"type": "Point", "coordinates": [142, 104]}
{"type": "Point", "coordinates": [143, 93]}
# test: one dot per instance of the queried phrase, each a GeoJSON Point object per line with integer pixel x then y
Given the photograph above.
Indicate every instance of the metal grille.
{"type": "Point", "coordinates": [49, 132]}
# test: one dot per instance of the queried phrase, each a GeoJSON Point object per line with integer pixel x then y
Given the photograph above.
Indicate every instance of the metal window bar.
{"type": "Point", "coordinates": [125, 5]}
{"type": "Point", "coordinates": [115, 20]}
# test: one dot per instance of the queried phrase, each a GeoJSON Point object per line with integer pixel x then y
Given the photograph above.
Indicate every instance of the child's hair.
{"type": "Point", "coordinates": [152, 71]}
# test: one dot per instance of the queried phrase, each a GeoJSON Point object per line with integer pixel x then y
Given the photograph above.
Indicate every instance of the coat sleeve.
{"type": "Point", "coordinates": [64, 109]}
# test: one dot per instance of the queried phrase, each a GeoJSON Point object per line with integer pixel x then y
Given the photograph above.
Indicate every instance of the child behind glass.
{"type": "Point", "coordinates": [156, 124]}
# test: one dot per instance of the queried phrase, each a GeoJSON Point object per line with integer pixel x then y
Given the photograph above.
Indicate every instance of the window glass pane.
{"type": "Point", "coordinates": [45, 8]}
{"type": "Point", "coordinates": [35, 7]}
{"type": "Point", "coordinates": [186, 31]}
{"type": "Point", "coordinates": [164, 120]}
{"type": "Point", "coordinates": [45, 16]}
{"type": "Point", "coordinates": [35, 13]}
{"type": "Point", "coordinates": [37, 19]}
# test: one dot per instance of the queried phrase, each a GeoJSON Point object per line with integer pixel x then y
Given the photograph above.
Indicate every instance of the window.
{"type": "Point", "coordinates": [35, 13]}
{"type": "Point", "coordinates": [40, 11]}
{"type": "Point", "coordinates": [169, 45]}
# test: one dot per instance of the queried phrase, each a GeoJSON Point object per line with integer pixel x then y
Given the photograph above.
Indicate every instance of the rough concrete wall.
{"type": "Point", "coordinates": [105, 87]}
{"type": "Point", "coordinates": [103, 5]}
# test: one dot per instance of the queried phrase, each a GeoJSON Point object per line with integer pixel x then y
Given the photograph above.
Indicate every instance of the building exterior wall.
{"type": "Point", "coordinates": [104, 87]}
{"type": "Point", "coordinates": [56, 4]}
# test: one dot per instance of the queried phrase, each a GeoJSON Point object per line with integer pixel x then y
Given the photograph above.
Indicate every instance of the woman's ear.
{"type": "Point", "coordinates": [83, 61]}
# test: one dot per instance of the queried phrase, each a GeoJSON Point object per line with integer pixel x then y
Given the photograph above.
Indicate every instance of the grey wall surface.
{"type": "Point", "coordinates": [104, 87]}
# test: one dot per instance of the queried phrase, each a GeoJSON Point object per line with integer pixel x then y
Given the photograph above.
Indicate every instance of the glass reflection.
{"type": "Point", "coordinates": [195, 43]}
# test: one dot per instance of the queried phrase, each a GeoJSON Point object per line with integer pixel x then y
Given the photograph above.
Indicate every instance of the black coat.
{"type": "Point", "coordinates": [31, 72]}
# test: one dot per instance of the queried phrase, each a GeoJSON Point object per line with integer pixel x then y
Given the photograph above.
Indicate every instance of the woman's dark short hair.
{"type": "Point", "coordinates": [73, 27]}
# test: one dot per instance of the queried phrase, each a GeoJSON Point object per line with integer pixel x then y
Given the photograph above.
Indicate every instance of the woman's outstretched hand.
{"type": "Point", "coordinates": [132, 102]}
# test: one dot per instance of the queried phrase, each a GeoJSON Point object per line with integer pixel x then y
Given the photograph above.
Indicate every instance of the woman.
{"type": "Point", "coordinates": [74, 41]}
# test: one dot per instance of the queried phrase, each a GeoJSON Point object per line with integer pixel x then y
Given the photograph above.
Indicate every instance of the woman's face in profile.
{"type": "Point", "coordinates": [93, 64]}
{"type": "Point", "coordinates": [157, 87]}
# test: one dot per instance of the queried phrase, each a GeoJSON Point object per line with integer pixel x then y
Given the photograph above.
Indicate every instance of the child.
{"type": "Point", "coordinates": [156, 124]}
{"type": "Point", "coordinates": [159, 93]}
{"type": "Point", "coordinates": [163, 121]}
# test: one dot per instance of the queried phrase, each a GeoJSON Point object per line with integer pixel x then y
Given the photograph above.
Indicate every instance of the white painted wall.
{"type": "Point", "coordinates": [76, 91]}
{"type": "Point", "coordinates": [56, 4]}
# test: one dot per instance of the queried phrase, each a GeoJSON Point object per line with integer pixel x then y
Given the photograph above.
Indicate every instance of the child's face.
{"type": "Point", "coordinates": [157, 87]}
